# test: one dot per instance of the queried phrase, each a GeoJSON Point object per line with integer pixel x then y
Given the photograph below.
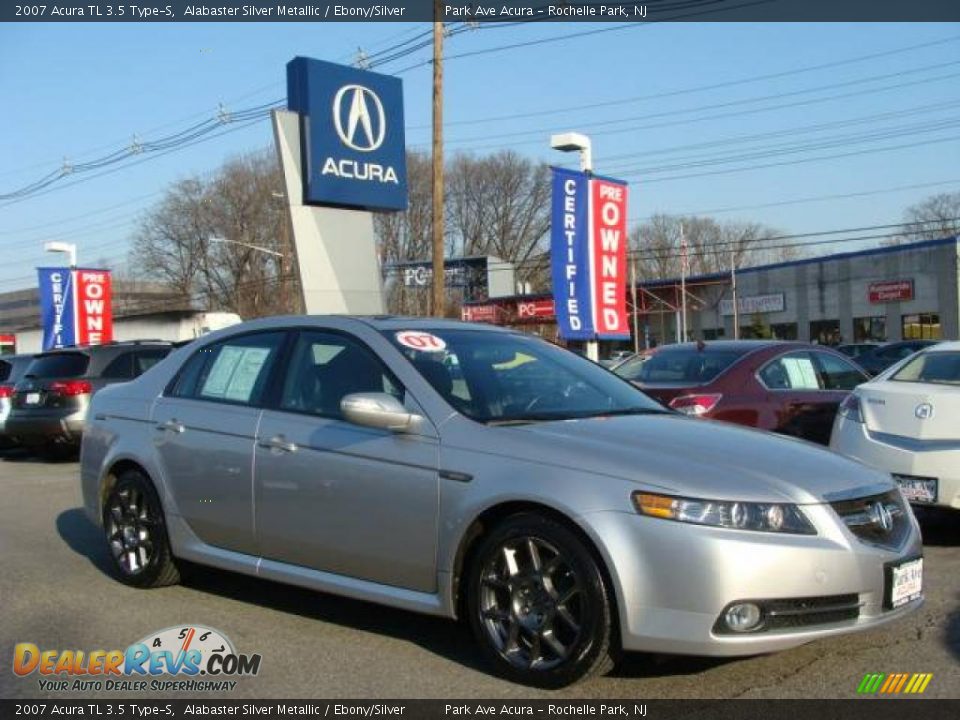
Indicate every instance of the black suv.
{"type": "Point", "coordinates": [49, 403]}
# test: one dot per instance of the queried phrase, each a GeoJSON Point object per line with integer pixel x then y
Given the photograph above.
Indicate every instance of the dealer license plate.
{"type": "Point", "coordinates": [904, 582]}
{"type": "Point", "coordinates": [32, 399]}
{"type": "Point", "coordinates": [916, 489]}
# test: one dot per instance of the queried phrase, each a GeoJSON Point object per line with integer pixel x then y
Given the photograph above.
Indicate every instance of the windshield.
{"type": "Point", "coordinates": [503, 377]}
{"type": "Point", "coordinates": [939, 368]}
{"type": "Point", "coordinates": [683, 365]}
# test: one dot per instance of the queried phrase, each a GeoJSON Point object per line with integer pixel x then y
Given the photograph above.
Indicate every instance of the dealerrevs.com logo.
{"type": "Point", "coordinates": [198, 658]}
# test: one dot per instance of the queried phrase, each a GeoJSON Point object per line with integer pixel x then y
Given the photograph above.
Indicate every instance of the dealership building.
{"type": "Point", "coordinates": [890, 293]}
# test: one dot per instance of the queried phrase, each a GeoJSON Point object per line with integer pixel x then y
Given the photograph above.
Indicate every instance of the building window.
{"type": "Point", "coordinates": [825, 332]}
{"type": "Point", "coordinates": [870, 329]}
{"type": "Point", "coordinates": [713, 333]}
{"type": "Point", "coordinates": [784, 331]}
{"type": "Point", "coordinates": [922, 326]}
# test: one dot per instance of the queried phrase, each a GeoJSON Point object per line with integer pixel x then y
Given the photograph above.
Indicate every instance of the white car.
{"type": "Point", "coordinates": [907, 422]}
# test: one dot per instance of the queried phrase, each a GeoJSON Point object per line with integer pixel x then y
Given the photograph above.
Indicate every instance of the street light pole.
{"type": "Point", "coordinates": [438, 214]}
{"type": "Point", "coordinates": [69, 248]}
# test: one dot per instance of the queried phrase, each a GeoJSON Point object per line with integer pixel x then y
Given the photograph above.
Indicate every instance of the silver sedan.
{"type": "Point", "coordinates": [476, 473]}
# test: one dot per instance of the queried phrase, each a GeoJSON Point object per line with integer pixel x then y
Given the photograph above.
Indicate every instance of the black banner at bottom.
{"type": "Point", "coordinates": [874, 708]}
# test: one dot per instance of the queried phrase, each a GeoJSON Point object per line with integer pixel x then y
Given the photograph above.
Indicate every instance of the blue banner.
{"type": "Point", "coordinates": [570, 254]}
{"type": "Point", "coordinates": [57, 307]}
{"type": "Point", "coordinates": [351, 135]}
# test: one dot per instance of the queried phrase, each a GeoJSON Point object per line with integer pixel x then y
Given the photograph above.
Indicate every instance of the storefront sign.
{"type": "Point", "coordinates": [890, 291]}
{"type": "Point", "coordinates": [480, 313]}
{"type": "Point", "coordinates": [75, 307]}
{"type": "Point", "coordinates": [753, 304]}
{"type": "Point", "coordinates": [588, 256]}
{"type": "Point", "coordinates": [352, 135]}
{"type": "Point", "coordinates": [536, 310]}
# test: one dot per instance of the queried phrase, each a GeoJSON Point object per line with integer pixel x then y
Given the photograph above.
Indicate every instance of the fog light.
{"type": "Point", "coordinates": [742, 617]}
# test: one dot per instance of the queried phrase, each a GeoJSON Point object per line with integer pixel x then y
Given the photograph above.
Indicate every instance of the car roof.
{"type": "Point", "coordinates": [741, 346]}
{"type": "Point", "coordinates": [951, 346]}
{"type": "Point", "coordinates": [402, 322]}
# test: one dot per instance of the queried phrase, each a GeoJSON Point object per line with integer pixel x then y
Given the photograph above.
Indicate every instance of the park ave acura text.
{"type": "Point", "coordinates": [473, 472]}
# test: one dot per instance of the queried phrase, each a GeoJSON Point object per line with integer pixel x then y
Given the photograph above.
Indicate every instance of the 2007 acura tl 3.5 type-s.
{"type": "Point", "coordinates": [470, 471]}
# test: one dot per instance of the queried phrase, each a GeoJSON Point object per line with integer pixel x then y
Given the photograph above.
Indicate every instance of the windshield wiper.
{"type": "Point", "coordinates": [550, 417]}
{"type": "Point", "coordinates": [627, 411]}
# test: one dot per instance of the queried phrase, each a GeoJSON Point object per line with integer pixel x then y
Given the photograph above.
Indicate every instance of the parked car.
{"type": "Point", "coordinates": [49, 403]}
{"type": "Point", "coordinates": [790, 388]}
{"type": "Point", "coordinates": [628, 365]}
{"type": "Point", "coordinates": [539, 496]}
{"type": "Point", "coordinates": [12, 368]}
{"type": "Point", "coordinates": [855, 350]}
{"type": "Point", "coordinates": [905, 422]}
{"type": "Point", "coordinates": [880, 358]}
{"type": "Point", "coordinates": [615, 358]}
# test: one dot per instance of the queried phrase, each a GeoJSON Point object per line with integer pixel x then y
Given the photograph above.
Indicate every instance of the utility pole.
{"type": "Point", "coordinates": [438, 214]}
{"type": "Point", "coordinates": [633, 292]}
{"type": "Point", "coordinates": [733, 287]}
{"type": "Point", "coordinates": [683, 285]}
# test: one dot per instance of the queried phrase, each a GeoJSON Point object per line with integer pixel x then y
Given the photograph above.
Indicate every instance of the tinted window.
{"type": "Point", "coordinates": [5, 369]}
{"type": "Point", "coordinates": [146, 359]}
{"type": "Point", "coordinates": [120, 368]}
{"type": "Point", "coordinates": [790, 372]}
{"type": "Point", "coordinates": [326, 367]}
{"type": "Point", "coordinates": [234, 370]}
{"type": "Point", "coordinates": [686, 365]}
{"type": "Point", "coordinates": [837, 374]}
{"type": "Point", "coordinates": [941, 368]}
{"type": "Point", "coordinates": [59, 365]}
{"type": "Point", "coordinates": [492, 376]}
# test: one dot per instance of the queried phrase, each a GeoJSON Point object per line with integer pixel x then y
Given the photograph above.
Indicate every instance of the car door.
{"type": "Point", "coordinates": [204, 430]}
{"type": "Point", "coordinates": [799, 405]}
{"type": "Point", "coordinates": [338, 497]}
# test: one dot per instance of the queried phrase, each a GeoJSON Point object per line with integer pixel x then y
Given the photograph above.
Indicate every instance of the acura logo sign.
{"type": "Point", "coordinates": [924, 411]}
{"type": "Point", "coordinates": [358, 118]}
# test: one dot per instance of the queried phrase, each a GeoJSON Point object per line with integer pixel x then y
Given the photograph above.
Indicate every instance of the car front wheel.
{"type": "Point", "coordinates": [538, 604]}
{"type": "Point", "coordinates": [136, 534]}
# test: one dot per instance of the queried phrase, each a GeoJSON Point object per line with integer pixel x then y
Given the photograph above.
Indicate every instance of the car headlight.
{"type": "Point", "coordinates": [763, 517]}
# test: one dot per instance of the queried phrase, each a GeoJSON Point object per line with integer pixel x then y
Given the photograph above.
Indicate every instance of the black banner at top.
{"type": "Point", "coordinates": [480, 11]}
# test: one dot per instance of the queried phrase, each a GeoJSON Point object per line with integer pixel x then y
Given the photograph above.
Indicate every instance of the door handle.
{"type": "Point", "coordinates": [280, 443]}
{"type": "Point", "coordinates": [172, 426]}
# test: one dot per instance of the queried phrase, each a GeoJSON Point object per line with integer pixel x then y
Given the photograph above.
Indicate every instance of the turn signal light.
{"type": "Point", "coordinates": [71, 388]}
{"type": "Point", "coordinates": [697, 405]}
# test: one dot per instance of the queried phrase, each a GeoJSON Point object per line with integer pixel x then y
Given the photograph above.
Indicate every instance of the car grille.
{"type": "Point", "coordinates": [882, 520]}
{"type": "Point", "coordinates": [793, 613]}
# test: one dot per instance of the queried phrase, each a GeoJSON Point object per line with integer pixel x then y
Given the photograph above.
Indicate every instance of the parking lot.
{"type": "Point", "coordinates": [56, 592]}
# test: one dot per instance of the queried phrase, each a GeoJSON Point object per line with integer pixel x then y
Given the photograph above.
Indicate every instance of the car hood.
{"type": "Point", "coordinates": [698, 458]}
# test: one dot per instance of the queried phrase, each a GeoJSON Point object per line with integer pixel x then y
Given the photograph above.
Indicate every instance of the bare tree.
{"type": "Point", "coordinates": [202, 240]}
{"type": "Point", "coordinates": [936, 217]}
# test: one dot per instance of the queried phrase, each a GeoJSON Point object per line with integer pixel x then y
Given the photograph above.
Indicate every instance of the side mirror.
{"type": "Point", "coordinates": [379, 410]}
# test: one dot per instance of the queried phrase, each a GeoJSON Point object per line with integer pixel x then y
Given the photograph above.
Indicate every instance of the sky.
{"type": "Point", "coordinates": [677, 109]}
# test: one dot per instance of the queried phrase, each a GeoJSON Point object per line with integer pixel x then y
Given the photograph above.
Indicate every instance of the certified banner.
{"type": "Point", "coordinates": [570, 254]}
{"type": "Point", "coordinates": [57, 308]}
{"type": "Point", "coordinates": [588, 250]}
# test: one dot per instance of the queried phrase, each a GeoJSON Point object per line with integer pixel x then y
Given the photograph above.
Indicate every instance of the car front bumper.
{"type": "Point", "coordinates": [903, 456]}
{"type": "Point", "coordinates": [674, 580]}
{"type": "Point", "coordinates": [42, 427]}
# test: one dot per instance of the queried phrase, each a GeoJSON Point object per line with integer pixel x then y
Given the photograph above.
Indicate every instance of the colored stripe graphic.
{"type": "Point", "coordinates": [894, 683]}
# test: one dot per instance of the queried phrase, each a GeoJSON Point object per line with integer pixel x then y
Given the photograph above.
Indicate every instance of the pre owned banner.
{"type": "Point", "coordinates": [75, 307]}
{"type": "Point", "coordinates": [589, 255]}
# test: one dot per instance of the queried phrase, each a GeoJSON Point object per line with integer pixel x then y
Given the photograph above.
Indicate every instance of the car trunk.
{"type": "Point", "coordinates": [911, 409]}
{"type": "Point", "coordinates": [663, 393]}
{"type": "Point", "coordinates": [53, 382]}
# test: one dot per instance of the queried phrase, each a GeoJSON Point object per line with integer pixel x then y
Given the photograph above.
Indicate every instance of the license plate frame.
{"type": "Point", "coordinates": [903, 582]}
{"type": "Point", "coordinates": [918, 490]}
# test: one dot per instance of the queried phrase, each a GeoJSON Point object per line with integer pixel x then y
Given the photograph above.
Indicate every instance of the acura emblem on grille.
{"type": "Point", "coordinates": [881, 517]}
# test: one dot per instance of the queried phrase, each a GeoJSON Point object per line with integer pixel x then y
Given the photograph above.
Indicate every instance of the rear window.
{"type": "Point", "coordinates": [5, 369]}
{"type": "Point", "coordinates": [59, 365]}
{"type": "Point", "coordinates": [939, 368]}
{"type": "Point", "coordinates": [686, 365]}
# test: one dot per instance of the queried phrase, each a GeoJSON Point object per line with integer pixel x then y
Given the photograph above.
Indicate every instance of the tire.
{"type": "Point", "coordinates": [136, 533]}
{"type": "Point", "coordinates": [549, 627]}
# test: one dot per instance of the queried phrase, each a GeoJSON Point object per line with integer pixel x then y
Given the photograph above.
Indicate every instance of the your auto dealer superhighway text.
{"type": "Point", "coordinates": [580, 709]}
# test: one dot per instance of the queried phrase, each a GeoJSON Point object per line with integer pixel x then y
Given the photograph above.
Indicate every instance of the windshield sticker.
{"type": "Point", "coordinates": [421, 341]}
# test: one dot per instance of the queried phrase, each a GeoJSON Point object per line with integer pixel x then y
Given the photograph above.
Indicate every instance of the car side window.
{"type": "Point", "coordinates": [120, 368]}
{"type": "Point", "coordinates": [836, 373]}
{"type": "Point", "coordinates": [234, 370]}
{"type": "Point", "coordinates": [325, 367]}
{"type": "Point", "coordinates": [795, 371]}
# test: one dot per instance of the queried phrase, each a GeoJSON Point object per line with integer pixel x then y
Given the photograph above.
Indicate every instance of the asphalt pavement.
{"type": "Point", "coordinates": [56, 591]}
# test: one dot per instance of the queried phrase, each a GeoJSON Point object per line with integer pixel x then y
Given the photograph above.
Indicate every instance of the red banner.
{"type": "Point", "coordinates": [608, 237]}
{"type": "Point", "coordinates": [891, 291]}
{"type": "Point", "coordinates": [533, 310]}
{"type": "Point", "coordinates": [94, 312]}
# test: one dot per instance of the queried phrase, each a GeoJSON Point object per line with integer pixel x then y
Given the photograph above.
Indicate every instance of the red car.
{"type": "Point", "coordinates": [790, 388]}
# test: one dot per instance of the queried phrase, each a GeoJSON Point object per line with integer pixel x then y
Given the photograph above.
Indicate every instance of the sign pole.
{"type": "Point", "coordinates": [438, 214]}
{"type": "Point", "coordinates": [633, 292]}
{"type": "Point", "coordinates": [683, 285]}
{"type": "Point", "coordinates": [736, 302]}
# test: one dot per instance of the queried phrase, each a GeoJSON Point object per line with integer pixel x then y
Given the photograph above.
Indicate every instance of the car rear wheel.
{"type": "Point", "coordinates": [136, 533]}
{"type": "Point", "coordinates": [538, 604]}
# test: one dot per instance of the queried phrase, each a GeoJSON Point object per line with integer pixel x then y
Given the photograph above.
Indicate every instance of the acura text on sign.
{"type": "Point", "coordinates": [891, 291]}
